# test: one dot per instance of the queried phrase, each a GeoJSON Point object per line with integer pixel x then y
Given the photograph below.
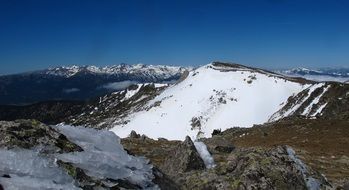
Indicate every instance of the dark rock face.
{"type": "Point", "coordinates": [183, 158]}
{"type": "Point", "coordinates": [134, 135]}
{"type": "Point", "coordinates": [163, 181]}
{"type": "Point", "coordinates": [256, 169]}
{"type": "Point", "coordinates": [346, 186]}
{"type": "Point", "coordinates": [219, 144]}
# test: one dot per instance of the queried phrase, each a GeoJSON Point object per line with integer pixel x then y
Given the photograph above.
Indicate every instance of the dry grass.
{"type": "Point", "coordinates": [322, 144]}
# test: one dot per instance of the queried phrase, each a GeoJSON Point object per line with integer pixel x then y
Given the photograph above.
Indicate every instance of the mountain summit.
{"type": "Point", "coordinates": [214, 96]}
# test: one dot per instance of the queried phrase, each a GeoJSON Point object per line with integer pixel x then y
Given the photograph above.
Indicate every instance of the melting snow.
{"type": "Point", "coordinates": [319, 110]}
{"type": "Point", "coordinates": [308, 109]}
{"type": "Point", "coordinates": [312, 183]}
{"type": "Point", "coordinates": [130, 93]}
{"type": "Point", "coordinates": [281, 114]}
{"type": "Point", "coordinates": [204, 154]}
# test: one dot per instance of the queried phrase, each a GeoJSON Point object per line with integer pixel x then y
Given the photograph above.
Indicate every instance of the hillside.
{"type": "Point", "coordinates": [97, 113]}
{"type": "Point", "coordinates": [215, 96]}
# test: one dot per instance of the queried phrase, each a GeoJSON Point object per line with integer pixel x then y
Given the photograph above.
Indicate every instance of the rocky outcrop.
{"type": "Point", "coordinates": [183, 158]}
{"type": "Point", "coordinates": [218, 144]}
{"type": "Point", "coordinates": [236, 168]}
{"type": "Point", "coordinates": [134, 135]}
{"type": "Point", "coordinates": [28, 134]}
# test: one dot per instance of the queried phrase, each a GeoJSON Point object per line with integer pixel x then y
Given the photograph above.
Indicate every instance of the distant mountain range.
{"type": "Point", "coordinates": [323, 74]}
{"type": "Point", "coordinates": [80, 82]}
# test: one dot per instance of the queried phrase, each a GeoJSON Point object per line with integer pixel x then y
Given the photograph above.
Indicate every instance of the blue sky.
{"type": "Point", "coordinates": [37, 34]}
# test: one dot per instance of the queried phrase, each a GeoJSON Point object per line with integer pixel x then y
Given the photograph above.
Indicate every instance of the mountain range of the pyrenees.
{"type": "Point", "coordinates": [217, 126]}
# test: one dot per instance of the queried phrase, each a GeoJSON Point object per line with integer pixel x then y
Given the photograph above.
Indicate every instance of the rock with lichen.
{"type": "Point", "coordinates": [183, 158]}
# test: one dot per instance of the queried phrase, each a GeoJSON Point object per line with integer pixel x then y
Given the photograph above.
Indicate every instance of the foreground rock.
{"type": "Point", "coordinates": [184, 158]}
{"type": "Point", "coordinates": [28, 134]}
{"type": "Point", "coordinates": [35, 156]}
{"type": "Point", "coordinates": [236, 168]}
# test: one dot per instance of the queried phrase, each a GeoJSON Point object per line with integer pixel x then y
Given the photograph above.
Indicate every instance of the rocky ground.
{"type": "Point", "coordinates": [321, 143]}
{"type": "Point", "coordinates": [235, 167]}
{"type": "Point", "coordinates": [294, 153]}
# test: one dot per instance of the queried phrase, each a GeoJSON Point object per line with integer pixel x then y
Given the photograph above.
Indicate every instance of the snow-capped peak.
{"type": "Point", "coordinates": [69, 71]}
{"type": "Point", "coordinates": [323, 74]}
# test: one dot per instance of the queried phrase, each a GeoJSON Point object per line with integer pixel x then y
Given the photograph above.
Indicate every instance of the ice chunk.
{"type": "Point", "coordinates": [104, 156]}
{"type": "Point", "coordinates": [28, 170]}
{"type": "Point", "coordinates": [204, 154]}
{"type": "Point", "coordinates": [312, 183]}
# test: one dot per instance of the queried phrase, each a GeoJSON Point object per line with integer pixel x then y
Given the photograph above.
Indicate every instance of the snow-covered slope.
{"type": "Point", "coordinates": [215, 96]}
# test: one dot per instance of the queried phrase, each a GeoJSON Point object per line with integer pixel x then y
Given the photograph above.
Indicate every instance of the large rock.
{"type": "Point", "coordinates": [28, 134]}
{"type": "Point", "coordinates": [183, 158]}
{"type": "Point", "coordinates": [218, 144]}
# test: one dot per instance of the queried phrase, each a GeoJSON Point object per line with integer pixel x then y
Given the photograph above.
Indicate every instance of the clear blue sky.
{"type": "Point", "coordinates": [37, 34]}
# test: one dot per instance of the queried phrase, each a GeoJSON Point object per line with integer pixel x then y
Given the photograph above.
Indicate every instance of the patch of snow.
{"type": "Point", "coordinates": [204, 154]}
{"type": "Point", "coordinates": [158, 85]}
{"type": "Point", "coordinates": [130, 93]}
{"type": "Point", "coordinates": [319, 110]}
{"type": "Point", "coordinates": [308, 109]}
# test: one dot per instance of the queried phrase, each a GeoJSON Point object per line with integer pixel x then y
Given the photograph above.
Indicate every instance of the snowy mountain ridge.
{"type": "Point", "coordinates": [321, 74]}
{"type": "Point", "coordinates": [80, 82]}
{"type": "Point", "coordinates": [161, 70]}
